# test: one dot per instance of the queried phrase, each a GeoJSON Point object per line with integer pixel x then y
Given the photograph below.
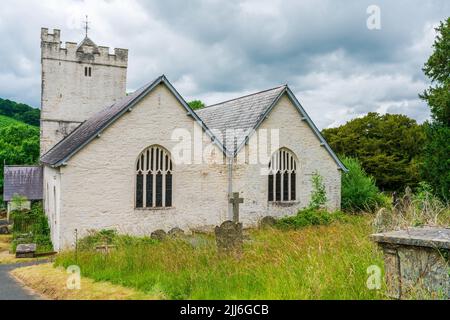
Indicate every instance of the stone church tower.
{"type": "Point", "coordinates": [78, 80]}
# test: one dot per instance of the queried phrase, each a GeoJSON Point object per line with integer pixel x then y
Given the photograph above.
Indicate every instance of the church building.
{"type": "Point", "coordinates": [145, 161]}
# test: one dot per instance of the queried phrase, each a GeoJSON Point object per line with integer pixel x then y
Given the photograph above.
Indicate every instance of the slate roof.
{"type": "Point", "coordinates": [233, 120]}
{"type": "Point", "coordinates": [93, 127]}
{"type": "Point", "coordinates": [243, 115]}
{"type": "Point", "coordinates": [24, 181]}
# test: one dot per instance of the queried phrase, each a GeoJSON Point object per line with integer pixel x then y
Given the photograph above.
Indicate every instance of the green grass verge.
{"type": "Point", "coordinates": [316, 262]}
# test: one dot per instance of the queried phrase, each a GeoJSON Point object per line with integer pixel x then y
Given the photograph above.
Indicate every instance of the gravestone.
{"type": "Point", "coordinates": [159, 235]}
{"type": "Point", "coordinates": [229, 238]}
{"type": "Point", "coordinates": [267, 222]}
{"type": "Point", "coordinates": [26, 250]}
{"type": "Point", "coordinates": [416, 262]}
{"type": "Point", "coordinates": [4, 229]}
{"type": "Point", "coordinates": [105, 248]}
{"type": "Point", "coordinates": [176, 233]}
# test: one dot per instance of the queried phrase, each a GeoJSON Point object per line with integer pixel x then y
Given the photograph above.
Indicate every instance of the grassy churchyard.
{"type": "Point", "coordinates": [315, 254]}
{"type": "Point", "coordinates": [315, 262]}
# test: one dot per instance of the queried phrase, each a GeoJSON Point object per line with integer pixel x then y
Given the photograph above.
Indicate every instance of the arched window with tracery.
{"type": "Point", "coordinates": [154, 178]}
{"type": "Point", "coordinates": [282, 176]}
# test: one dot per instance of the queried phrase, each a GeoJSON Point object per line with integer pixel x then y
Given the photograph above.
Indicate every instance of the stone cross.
{"type": "Point", "coordinates": [235, 201]}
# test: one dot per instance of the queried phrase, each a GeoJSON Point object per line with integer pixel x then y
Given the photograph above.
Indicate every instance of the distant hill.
{"type": "Point", "coordinates": [20, 112]}
{"type": "Point", "coordinates": [6, 121]}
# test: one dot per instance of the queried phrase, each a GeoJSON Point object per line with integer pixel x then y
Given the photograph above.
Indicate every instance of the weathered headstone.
{"type": "Point", "coordinates": [416, 262]}
{"type": "Point", "coordinates": [176, 233]}
{"type": "Point", "coordinates": [26, 250]}
{"type": "Point", "coordinates": [105, 248]}
{"type": "Point", "coordinates": [159, 235]}
{"type": "Point", "coordinates": [229, 238]}
{"type": "Point", "coordinates": [4, 229]}
{"type": "Point", "coordinates": [267, 222]}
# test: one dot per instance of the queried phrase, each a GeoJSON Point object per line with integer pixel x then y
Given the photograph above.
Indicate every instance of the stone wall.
{"type": "Point", "coordinates": [416, 262]}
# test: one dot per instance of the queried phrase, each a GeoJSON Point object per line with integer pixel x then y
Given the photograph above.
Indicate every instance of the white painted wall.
{"type": "Point", "coordinates": [298, 137]}
{"type": "Point", "coordinates": [52, 203]}
{"type": "Point", "coordinates": [98, 183]}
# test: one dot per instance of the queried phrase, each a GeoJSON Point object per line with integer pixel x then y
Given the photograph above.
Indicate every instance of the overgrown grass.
{"type": "Point", "coordinates": [413, 210]}
{"type": "Point", "coordinates": [316, 262]}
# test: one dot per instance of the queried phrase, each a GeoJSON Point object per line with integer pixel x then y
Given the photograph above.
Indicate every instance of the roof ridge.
{"type": "Point", "coordinates": [244, 96]}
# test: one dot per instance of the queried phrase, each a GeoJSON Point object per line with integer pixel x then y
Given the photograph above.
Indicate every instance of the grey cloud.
{"type": "Point", "coordinates": [217, 49]}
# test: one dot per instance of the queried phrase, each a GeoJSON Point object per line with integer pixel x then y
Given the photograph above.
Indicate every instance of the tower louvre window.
{"type": "Point", "coordinates": [282, 177]}
{"type": "Point", "coordinates": [155, 165]}
{"type": "Point", "coordinates": [88, 71]}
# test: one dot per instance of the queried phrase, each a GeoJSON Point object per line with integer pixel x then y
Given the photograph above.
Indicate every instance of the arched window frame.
{"type": "Point", "coordinates": [282, 177]}
{"type": "Point", "coordinates": [153, 179]}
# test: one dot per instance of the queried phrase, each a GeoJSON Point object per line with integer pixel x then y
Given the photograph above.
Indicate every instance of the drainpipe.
{"type": "Point", "coordinates": [230, 186]}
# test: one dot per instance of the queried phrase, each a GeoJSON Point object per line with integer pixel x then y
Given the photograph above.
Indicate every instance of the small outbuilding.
{"type": "Point", "coordinates": [22, 181]}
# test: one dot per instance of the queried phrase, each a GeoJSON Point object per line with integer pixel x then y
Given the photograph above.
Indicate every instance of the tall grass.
{"type": "Point", "coordinates": [413, 210]}
{"type": "Point", "coordinates": [318, 262]}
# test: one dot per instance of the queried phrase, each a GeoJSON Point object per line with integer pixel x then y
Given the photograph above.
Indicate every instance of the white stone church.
{"type": "Point", "coordinates": [146, 161]}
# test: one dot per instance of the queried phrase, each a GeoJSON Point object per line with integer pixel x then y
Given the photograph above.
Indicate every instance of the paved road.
{"type": "Point", "coordinates": [10, 289]}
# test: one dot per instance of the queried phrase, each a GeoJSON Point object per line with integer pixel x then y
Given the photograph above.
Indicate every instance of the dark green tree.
{"type": "Point", "coordinates": [196, 104]}
{"type": "Point", "coordinates": [388, 147]}
{"type": "Point", "coordinates": [436, 158]}
{"type": "Point", "coordinates": [19, 144]}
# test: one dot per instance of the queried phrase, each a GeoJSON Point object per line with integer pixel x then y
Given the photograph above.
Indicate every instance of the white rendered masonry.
{"type": "Point", "coordinates": [96, 188]}
{"type": "Point", "coordinates": [70, 94]}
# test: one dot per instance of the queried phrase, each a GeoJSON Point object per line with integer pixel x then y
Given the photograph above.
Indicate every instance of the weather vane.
{"type": "Point", "coordinates": [86, 25]}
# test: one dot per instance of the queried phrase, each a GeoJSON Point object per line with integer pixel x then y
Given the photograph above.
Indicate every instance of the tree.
{"type": "Point", "coordinates": [388, 147]}
{"type": "Point", "coordinates": [436, 158]}
{"type": "Point", "coordinates": [19, 144]}
{"type": "Point", "coordinates": [196, 104]}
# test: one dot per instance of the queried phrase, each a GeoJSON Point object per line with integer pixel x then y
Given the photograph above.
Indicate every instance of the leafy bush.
{"type": "Point", "coordinates": [196, 104]}
{"type": "Point", "coordinates": [318, 194]}
{"type": "Point", "coordinates": [309, 217]}
{"type": "Point", "coordinates": [31, 226]}
{"type": "Point", "coordinates": [359, 191]}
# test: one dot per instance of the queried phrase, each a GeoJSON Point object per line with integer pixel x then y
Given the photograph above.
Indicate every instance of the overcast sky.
{"type": "Point", "coordinates": [216, 50]}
